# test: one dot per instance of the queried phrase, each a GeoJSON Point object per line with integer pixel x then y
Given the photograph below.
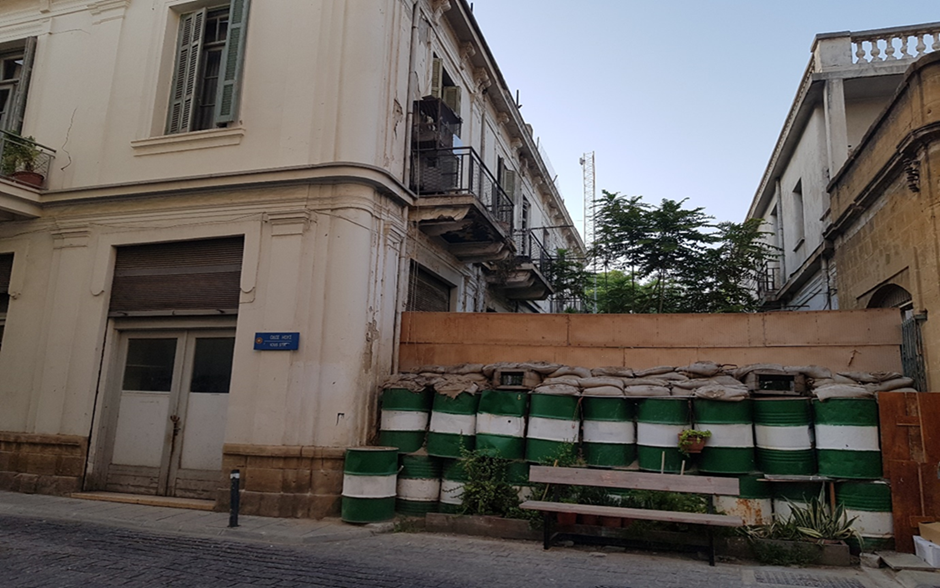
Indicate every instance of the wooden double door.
{"type": "Point", "coordinates": [168, 426]}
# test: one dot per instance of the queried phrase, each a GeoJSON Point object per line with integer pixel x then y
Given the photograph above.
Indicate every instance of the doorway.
{"type": "Point", "coordinates": [169, 391]}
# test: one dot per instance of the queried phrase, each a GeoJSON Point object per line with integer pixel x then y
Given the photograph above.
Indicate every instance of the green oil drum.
{"type": "Point", "coordinates": [608, 436]}
{"type": "Point", "coordinates": [799, 493]}
{"type": "Point", "coordinates": [870, 504]}
{"type": "Point", "coordinates": [369, 479]}
{"type": "Point", "coordinates": [730, 449]}
{"type": "Point", "coordinates": [753, 503]}
{"type": "Point", "coordinates": [419, 485]}
{"type": "Point", "coordinates": [783, 431]}
{"type": "Point", "coordinates": [847, 438]}
{"type": "Point", "coordinates": [659, 421]}
{"type": "Point", "coordinates": [453, 479]}
{"type": "Point", "coordinates": [453, 424]}
{"type": "Point", "coordinates": [500, 425]}
{"type": "Point", "coordinates": [405, 416]}
{"type": "Point", "coordinates": [554, 420]}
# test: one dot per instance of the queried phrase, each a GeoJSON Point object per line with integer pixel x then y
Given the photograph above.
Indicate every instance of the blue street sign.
{"type": "Point", "coordinates": [276, 341]}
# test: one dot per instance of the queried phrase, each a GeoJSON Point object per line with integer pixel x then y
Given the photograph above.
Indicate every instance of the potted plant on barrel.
{"type": "Point", "coordinates": [19, 160]}
{"type": "Point", "coordinates": [692, 441]}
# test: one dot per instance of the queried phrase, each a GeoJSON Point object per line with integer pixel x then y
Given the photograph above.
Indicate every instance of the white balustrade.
{"type": "Point", "coordinates": [894, 44]}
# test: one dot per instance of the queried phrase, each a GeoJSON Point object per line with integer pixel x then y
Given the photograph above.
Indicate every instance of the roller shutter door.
{"type": "Point", "coordinates": [179, 278]}
{"type": "Point", "coordinates": [427, 292]}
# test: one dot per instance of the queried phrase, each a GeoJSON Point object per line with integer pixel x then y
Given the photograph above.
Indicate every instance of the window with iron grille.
{"type": "Point", "coordinates": [210, 49]}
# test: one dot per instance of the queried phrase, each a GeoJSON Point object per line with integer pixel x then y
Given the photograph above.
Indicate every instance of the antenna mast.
{"type": "Point", "coordinates": [590, 195]}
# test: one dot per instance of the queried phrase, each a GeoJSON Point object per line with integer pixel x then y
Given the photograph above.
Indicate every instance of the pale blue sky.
{"type": "Point", "coordinates": [677, 98]}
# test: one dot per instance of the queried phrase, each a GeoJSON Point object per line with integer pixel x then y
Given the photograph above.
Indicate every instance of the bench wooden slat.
{"type": "Point", "coordinates": [714, 520]}
{"type": "Point", "coordinates": [634, 480]}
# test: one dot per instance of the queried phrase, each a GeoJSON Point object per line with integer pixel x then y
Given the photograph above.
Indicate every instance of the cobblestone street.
{"type": "Point", "coordinates": [38, 552]}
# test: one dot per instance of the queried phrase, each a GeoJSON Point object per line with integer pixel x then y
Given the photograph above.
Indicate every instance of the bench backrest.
{"type": "Point", "coordinates": [634, 480]}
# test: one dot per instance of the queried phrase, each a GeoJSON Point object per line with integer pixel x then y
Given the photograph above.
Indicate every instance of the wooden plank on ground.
{"type": "Point", "coordinates": [695, 518]}
{"type": "Point", "coordinates": [634, 480]}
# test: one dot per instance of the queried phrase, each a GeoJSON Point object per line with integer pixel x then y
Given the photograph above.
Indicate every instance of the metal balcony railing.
{"type": "Point", "coordinates": [767, 280]}
{"type": "Point", "coordinates": [529, 246]}
{"type": "Point", "coordinates": [460, 170]}
{"type": "Point", "coordinates": [24, 161]}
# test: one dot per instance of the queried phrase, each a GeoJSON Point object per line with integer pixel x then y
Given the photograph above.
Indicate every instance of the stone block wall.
{"type": "Point", "coordinates": [42, 464]}
{"type": "Point", "coordinates": [284, 480]}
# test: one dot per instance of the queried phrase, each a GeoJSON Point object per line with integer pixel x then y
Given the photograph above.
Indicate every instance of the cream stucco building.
{"type": "Point", "coordinates": [211, 170]}
{"type": "Point", "coordinates": [850, 79]}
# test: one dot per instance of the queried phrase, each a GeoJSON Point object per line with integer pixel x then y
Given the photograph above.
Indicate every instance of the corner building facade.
{"type": "Point", "coordinates": [214, 171]}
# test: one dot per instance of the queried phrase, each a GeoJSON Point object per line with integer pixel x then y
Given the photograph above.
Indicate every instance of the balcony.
{"type": "Point", "coordinates": [460, 202]}
{"type": "Point", "coordinates": [24, 167]}
{"type": "Point", "coordinates": [527, 277]}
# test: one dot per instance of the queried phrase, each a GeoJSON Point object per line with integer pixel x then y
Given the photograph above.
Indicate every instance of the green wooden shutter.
{"type": "Point", "coordinates": [451, 97]}
{"type": "Point", "coordinates": [437, 77]}
{"type": "Point", "coordinates": [226, 103]}
{"type": "Point", "coordinates": [185, 80]}
{"type": "Point", "coordinates": [18, 111]}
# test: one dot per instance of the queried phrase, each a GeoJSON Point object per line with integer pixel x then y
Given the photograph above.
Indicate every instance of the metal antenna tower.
{"type": "Point", "coordinates": [590, 194]}
{"type": "Point", "coordinates": [587, 168]}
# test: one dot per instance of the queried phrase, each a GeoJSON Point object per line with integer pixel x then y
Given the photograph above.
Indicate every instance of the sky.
{"type": "Point", "coordinates": [676, 98]}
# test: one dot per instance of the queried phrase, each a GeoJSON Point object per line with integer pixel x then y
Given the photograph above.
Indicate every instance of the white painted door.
{"type": "Point", "coordinates": [173, 399]}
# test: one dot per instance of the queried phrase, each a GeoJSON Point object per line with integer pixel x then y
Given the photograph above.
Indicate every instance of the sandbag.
{"type": "Point", "coordinates": [404, 382]}
{"type": "Point", "coordinates": [603, 391]}
{"type": "Point", "coordinates": [571, 371]}
{"type": "Point", "coordinates": [567, 380]}
{"type": "Point", "coordinates": [455, 385]}
{"type": "Point", "coordinates": [702, 369]}
{"type": "Point", "coordinates": [646, 382]}
{"type": "Point", "coordinates": [654, 371]}
{"type": "Point", "coordinates": [595, 382]}
{"type": "Point", "coordinates": [860, 377]}
{"type": "Point", "coordinates": [890, 385]}
{"type": "Point", "coordinates": [557, 389]}
{"type": "Point", "coordinates": [842, 391]}
{"type": "Point", "coordinates": [673, 377]}
{"type": "Point", "coordinates": [429, 369]}
{"type": "Point", "coordinates": [540, 367]}
{"type": "Point", "coordinates": [719, 392]}
{"type": "Point", "coordinates": [885, 376]}
{"type": "Point", "coordinates": [646, 390]}
{"type": "Point", "coordinates": [620, 372]}
{"type": "Point", "coordinates": [467, 368]}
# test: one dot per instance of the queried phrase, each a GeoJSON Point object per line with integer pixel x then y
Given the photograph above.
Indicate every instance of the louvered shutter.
{"type": "Point", "coordinates": [437, 77]}
{"type": "Point", "coordinates": [451, 97]}
{"type": "Point", "coordinates": [184, 277]}
{"type": "Point", "coordinates": [185, 80]}
{"type": "Point", "coordinates": [233, 56]}
{"type": "Point", "coordinates": [427, 293]}
{"type": "Point", "coordinates": [508, 183]}
{"type": "Point", "coordinates": [18, 111]}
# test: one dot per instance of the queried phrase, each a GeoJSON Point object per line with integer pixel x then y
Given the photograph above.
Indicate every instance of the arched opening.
{"type": "Point", "coordinates": [893, 296]}
{"type": "Point", "coordinates": [912, 345]}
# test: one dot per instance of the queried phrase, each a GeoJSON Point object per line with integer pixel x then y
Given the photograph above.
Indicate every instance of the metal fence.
{"type": "Point", "coordinates": [23, 160]}
{"type": "Point", "coordinates": [912, 351]}
{"type": "Point", "coordinates": [460, 171]}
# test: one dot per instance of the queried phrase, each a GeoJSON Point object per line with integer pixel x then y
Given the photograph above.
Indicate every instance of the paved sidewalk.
{"type": "Point", "coordinates": [195, 523]}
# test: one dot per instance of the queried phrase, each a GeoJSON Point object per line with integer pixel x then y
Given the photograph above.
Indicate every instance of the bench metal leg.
{"type": "Point", "coordinates": [711, 547]}
{"type": "Point", "coordinates": [547, 529]}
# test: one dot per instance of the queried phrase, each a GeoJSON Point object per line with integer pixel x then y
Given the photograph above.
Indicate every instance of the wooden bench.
{"type": "Point", "coordinates": [560, 476]}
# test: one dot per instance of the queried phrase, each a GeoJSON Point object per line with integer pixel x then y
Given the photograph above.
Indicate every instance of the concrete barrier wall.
{"type": "Point", "coordinates": [858, 340]}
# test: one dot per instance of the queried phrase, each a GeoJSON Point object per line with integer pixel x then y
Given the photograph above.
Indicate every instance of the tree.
{"type": "Point", "coordinates": [669, 258]}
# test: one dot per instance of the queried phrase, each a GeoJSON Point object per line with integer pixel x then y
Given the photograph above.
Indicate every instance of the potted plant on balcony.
{"type": "Point", "coordinates": [19, 160]}
{"type": "Point", "coordinates": [692, 441]}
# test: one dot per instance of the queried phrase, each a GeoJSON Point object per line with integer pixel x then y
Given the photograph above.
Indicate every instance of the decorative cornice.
{"type": "Point", "coordinates": [439, 7]}
{"type": "Point", "coordinates": [66, 236]}
{"type": "Point", "coordinates": [292, 222]}
{"type": "Point", "coordinates": [102, 6]}
{"type": "Point", "coordinates": [481, 77]}
{"type": "Point", "coordinates": [467, 51]}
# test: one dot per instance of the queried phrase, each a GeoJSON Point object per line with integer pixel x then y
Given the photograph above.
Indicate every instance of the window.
{"type": "Point", "coordinates": [443, 87]}
{"type": "Point", "coordinates": [15, 70]}
{"type": "Point", "coordinates": [798, 228]}
{"type": "Point", "coordinates": [427, 292]}
{"type": "Point", "coordinates": [6, 269]}
{"type": "Point", "coordinates": [209, 54]}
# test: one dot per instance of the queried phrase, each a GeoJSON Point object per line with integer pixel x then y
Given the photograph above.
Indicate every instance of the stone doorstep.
{"type": "Point", "coordinates": [168, 501]}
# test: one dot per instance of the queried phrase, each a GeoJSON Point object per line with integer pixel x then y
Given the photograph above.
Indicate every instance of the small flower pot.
{"type": "Point", "coordinates": [692, 444]}
{"type": "Point", "coordinates": [28, 177]}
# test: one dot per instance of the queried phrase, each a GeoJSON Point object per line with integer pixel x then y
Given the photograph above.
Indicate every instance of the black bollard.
{"type": "Point", "coordinates": [233, 514]}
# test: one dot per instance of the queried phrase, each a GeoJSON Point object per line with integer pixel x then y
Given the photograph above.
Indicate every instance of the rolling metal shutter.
{"type": "Point", "coordinates": [180, 278]}
{"type": "Point", "coordinates": [427, 292]}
